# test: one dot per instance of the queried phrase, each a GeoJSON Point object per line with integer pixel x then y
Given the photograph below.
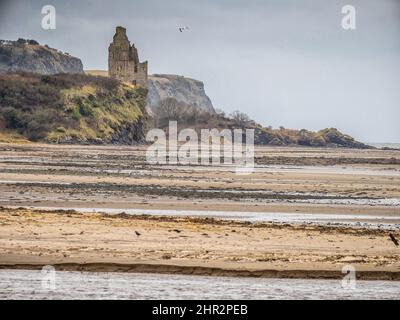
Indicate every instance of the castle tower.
{"type": "Point", "coordinates": [123, 60]}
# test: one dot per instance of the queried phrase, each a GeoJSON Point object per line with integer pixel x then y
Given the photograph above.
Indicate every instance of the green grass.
{"type": "Point", "coordinates": [68, 108]}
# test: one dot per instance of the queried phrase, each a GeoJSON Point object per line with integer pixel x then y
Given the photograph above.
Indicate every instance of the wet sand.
{"type": "Point", "coordinates": [363, 185]}
{"type": "Point", "coordinates": [106, 176]}
{"type": "Point", "coordinates": [100, 242]}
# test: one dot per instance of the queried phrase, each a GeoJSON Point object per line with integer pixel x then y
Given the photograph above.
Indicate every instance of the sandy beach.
{"type": "Point", "coordinates": [99, 242]}
{"type": "Point", "coordinates": [309, 182]}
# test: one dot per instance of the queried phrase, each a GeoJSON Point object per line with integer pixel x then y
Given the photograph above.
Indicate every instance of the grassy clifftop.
{"type": "Point", "coordinates": [71, 108]}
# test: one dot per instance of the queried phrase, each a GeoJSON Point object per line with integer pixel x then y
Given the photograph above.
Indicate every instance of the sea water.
{"type": "Point", "coordinates": [30, 284]}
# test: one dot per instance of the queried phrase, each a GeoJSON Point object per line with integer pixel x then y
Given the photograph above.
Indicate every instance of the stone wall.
{"type": "Point", "coordinates": [123, 60]}
{"type": "Point", "coordinates": [141, 75]}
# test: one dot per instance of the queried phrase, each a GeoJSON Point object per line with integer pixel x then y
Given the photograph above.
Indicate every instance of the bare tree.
{"type": "Point", "coordinates": [240, 118]}
{"type": "Point", "coordinates": [220, 113]}
{"type": "Point", "coordinates": [170, 108]}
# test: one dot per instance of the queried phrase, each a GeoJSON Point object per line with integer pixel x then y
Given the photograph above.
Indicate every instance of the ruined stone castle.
{"type": "Point", "coordinates": [123, 60]}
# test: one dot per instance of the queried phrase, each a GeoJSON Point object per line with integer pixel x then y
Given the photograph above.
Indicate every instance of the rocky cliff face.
{"type": "Point", "coordinates": [186, 90]}
{"type": "Point", "coordinates": [29, 56]}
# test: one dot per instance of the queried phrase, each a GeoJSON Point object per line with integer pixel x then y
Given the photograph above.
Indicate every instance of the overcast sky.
{"type": "Point", "coordinates": [284, 62]}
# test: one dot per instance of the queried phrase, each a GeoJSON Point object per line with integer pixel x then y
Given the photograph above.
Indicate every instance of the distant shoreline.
{"type": "Point", "coordinates": [381, 145]}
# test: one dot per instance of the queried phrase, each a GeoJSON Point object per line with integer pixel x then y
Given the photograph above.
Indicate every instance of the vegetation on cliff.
{"type": "Point", "coordinates": [71, 108]}
{"type": "Point", "coordinates": [77, 108]}
{"type": "Point", "coordinates": [191, 110]}
{"type": "Point", "coordinates": [329, 137]}
{"type": "Point", "coordinates": [190, 116]}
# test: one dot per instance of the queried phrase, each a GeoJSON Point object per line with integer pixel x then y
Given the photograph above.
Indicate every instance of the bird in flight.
{"type": "Point", "coordinates": [181, 29]}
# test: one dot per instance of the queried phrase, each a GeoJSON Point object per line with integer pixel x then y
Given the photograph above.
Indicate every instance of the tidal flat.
{"type": "Point", "coordinates": [302, 213]}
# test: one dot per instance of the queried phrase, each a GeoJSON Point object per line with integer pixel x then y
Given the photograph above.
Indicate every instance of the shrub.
{"type": "Point", "coordinates": [45, 79]}
{"type": "Point", "coordinates": [36, 130]}
{"type": "Point", "coordinates": [129, 94]}
{"type": "Point", "coordinates": [61, 130]}
{"type": "Point", "coordinates": [85, 110]}
{"type": "Point", "coordinates": [38, 126]}
{"type": "Point", "coordinates": [76, 114]}
{"type": "Point", "coordinates": [13, 118]}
